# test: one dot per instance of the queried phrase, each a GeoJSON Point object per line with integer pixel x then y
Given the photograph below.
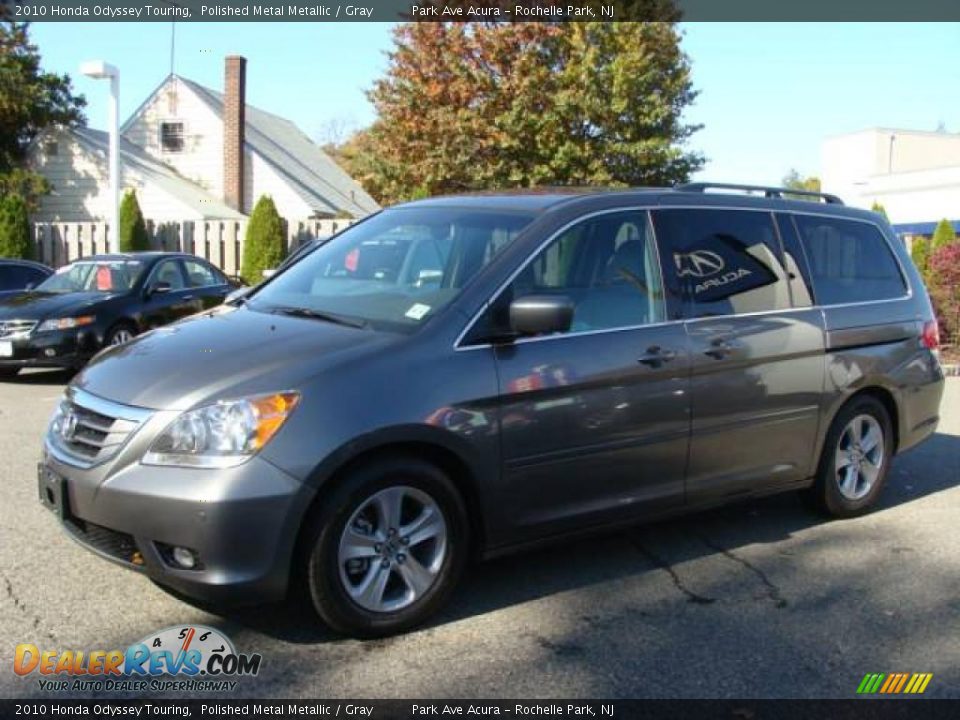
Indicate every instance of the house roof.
{"type": "Point", "coordinates": [318, 180]}
{"type": "Point", "coordinates": [157, 173]}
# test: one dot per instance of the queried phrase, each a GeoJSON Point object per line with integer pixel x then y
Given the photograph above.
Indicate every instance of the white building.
{"type": "Point", "coordinates": [915, 175]}
{"type": "Point", "coordinates": [193, 153]}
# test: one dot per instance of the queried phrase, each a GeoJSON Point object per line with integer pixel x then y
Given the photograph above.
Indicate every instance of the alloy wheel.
{"type": "Point", "coordinates": [392, 549]}
{"type": "Point", "coordinates": [121, 336]}
{"type": "Point", "coordinates": [859, 457]}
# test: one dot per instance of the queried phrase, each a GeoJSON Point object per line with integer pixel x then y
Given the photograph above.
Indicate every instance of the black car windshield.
{"type": "Point", "coordinates": [395, 269]}
{"type": "Point", "coordinates": [107, 276]}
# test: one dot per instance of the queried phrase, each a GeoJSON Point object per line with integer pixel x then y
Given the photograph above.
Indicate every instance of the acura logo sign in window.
{"type": "Point", "coordinates": [699, 263]}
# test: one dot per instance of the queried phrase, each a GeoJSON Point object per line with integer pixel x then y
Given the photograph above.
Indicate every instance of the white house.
{"type": "Point", "coordinates": [914, 174]}
{"type": "Point", "coordinates": [193, 153]}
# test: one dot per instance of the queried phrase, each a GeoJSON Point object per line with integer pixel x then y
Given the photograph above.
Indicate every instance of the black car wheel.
{"type": "Point", "coordinates": [387, 548]}
{"type": "Point", "coordinates": [119, 334]}
{"type": "Point", "coordinates": [855, 460]}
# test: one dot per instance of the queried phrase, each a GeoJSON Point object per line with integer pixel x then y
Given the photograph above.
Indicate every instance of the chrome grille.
{"type": "Point", "coordinates": [16, 328]}
{"type": "Point", "coordinates": [88, 430]}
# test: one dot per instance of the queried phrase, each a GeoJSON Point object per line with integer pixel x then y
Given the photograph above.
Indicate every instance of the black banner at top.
{"type": "Point", "coordinates": [218, 709]}
{"type": "Point", "coordinates": [476, 10]}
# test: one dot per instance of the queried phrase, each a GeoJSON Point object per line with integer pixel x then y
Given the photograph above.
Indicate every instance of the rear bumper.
{"type": "Point", "coordinates": [922, 387]}
{"type": "Point", "coordinates": [241, 523]}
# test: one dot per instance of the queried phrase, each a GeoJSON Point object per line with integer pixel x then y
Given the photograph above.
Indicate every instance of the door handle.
{"type": "Point", "coordinates": [188, 297]}
{"type": "Point", "coordinates": [720, 348]}
{"type": "Point", "coordinates": [656, 356]}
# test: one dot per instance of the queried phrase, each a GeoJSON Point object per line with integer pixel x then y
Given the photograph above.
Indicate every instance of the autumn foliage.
{"type": "Point", "coordinates": [476, 106]}
{"type": "Point", "coordinates": [944, 270]}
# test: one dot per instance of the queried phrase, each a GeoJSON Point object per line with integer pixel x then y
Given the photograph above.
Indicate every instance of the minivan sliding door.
{"type": "Point", "coordinates": [757, 360]}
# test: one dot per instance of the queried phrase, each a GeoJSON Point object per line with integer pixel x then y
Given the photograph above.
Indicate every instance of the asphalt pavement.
{"type": "Point", "coordinates": [761, 599]}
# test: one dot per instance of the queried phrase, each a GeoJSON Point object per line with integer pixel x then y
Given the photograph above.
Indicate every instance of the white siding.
{"type": "Point", "coordinates": [202, 158]}
{"type": "Point", "coordinates": [81, 187]}
{"type": "Point", "coordinates": [261, 179]}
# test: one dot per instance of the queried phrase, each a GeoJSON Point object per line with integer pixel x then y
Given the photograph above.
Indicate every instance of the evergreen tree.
{"type": "Point", "coordinates": [920, 252]}
{"type": "Point", "coordinates": [133, 230]}
{"type": "Point", "coordinates": [880, 210]}
{"type": "Point", "coordinates": [263, 245]}
{"type": "Point", "coordinates": [943, 235]}
{"type": "Point", "coordinates": [15, 240]}
{"type": "Point", "coordinates": [30, 101]}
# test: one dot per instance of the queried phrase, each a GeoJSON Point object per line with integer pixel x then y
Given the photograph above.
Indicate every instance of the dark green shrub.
{"type": "Point", "coordinates": [263, 246]}
{"type": "Point", "coordinates": [15, 240]}
{"type": "Point", "coordinates": [133, 230]}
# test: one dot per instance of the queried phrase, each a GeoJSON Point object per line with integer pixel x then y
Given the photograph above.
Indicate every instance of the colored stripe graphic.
{"type": "Point", "coordinates": [894, 683]}
{"type": "Point", "coordinates": [901, 682]}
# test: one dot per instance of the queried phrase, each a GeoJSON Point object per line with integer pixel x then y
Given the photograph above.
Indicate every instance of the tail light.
{"type": "Point", "coordinates": [931, 335]}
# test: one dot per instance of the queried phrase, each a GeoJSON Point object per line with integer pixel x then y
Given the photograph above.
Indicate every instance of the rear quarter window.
{"type": "Point", "coordinates": [850, 261]}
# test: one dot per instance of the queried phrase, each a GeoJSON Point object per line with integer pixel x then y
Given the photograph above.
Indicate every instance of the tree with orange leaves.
{"type": "Point", "coordinates": [479, 106]}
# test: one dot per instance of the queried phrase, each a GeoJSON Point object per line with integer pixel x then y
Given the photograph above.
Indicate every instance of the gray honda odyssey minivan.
{"type": "Point", "coordinates": [463, 376]}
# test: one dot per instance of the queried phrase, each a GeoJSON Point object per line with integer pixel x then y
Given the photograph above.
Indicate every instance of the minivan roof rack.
{"type": "Point", "coordinates": [770, 192]}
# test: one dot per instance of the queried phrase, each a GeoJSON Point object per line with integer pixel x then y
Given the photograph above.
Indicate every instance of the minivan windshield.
{"type": "Point", "coordinates": [106, 276]}
{"type": "Point", "coordinates": [395, 269]}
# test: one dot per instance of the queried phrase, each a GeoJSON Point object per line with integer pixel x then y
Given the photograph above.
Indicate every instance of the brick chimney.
{"type": "Point", "coordinates": [234, 123]}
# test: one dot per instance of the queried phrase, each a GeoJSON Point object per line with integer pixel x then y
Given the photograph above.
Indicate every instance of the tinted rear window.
{"type": "Point", "coordinates": [721, 262]}
{"type": "Point", "coordinates": [15, 277]}
{"type": "Point", "coordinates": [850, 261]}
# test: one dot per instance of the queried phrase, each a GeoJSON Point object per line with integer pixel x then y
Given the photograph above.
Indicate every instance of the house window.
{"type": "Point", "coordinates": [51, 148]}
{"type": "Point", "coordinates": [171, 137]}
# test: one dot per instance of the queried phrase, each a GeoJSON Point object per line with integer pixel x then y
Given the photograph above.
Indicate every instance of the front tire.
{"type": "Point", "coordinates": [120, 334]}
{"type": "Point", "coordinates": [387, 548]}
{"type": "Point", "coordinates": [855, 460]}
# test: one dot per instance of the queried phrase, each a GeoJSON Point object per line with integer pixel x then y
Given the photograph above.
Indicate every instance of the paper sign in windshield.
{"type": "Point", "coordinates": [417, 311]}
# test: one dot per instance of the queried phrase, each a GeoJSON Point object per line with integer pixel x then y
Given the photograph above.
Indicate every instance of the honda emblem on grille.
{"type": "Point", "coordinates": [68, 426]}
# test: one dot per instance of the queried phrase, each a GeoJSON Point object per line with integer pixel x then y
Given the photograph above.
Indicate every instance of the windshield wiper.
{"type": "Point", "coordinates": [319, 315]}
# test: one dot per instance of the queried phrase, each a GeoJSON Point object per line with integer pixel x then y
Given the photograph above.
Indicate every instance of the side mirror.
{"type": "Point", "coordinates": [539, 314]}
{"type": "Point", "coordinates": [269, 273]}
{"type": "Point", "coordinates": [158, 288]}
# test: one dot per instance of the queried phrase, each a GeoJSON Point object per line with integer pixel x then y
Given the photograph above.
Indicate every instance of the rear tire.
{"type": "Point", "coordinates": [856, 458]}
{"type": "Point", "coordinates": [369, 575]}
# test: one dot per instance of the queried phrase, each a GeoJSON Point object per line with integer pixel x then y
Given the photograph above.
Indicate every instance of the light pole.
{"type": "Point", "coordinates": [99, 70]}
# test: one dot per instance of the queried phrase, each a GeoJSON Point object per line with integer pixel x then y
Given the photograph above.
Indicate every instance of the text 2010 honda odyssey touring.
{"type": "Point", "coordinates": [471, 374]}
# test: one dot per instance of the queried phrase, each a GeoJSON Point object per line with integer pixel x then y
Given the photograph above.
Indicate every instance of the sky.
{"type": "Point", "coordinates": [768, 93]}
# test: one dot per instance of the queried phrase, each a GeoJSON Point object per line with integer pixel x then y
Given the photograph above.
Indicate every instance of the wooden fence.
{"type": "Point", "coordinates": [219, 241]}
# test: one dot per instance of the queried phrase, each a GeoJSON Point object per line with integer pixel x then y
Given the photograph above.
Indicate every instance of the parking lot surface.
{"type": "Point", "coordinates": [761, 599]}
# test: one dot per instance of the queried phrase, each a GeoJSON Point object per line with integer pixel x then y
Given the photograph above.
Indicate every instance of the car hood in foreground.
{"type": "Point", "coordinates": [222, 354]}
{"type": "Point", "coordinates": [38, 305]}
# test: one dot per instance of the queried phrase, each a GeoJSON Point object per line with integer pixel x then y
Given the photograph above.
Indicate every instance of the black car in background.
{"type": "Point", "coordinates": [19, 275]}
{"type": "Point", "coordinates": [99, 301]}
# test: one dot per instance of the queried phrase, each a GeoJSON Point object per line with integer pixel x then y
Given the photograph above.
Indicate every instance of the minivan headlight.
{"type": "Point", "coordinates": [224, 434]}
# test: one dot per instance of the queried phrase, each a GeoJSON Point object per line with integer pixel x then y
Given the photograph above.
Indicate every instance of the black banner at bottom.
{"type": "Point", "coordinates": [872, 709]}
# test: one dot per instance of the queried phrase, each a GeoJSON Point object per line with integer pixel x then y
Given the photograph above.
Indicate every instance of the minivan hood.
{"type": "Point", "coordinates": [38, 305]}
{"type": "Point", "coordinates": [230, 352]}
